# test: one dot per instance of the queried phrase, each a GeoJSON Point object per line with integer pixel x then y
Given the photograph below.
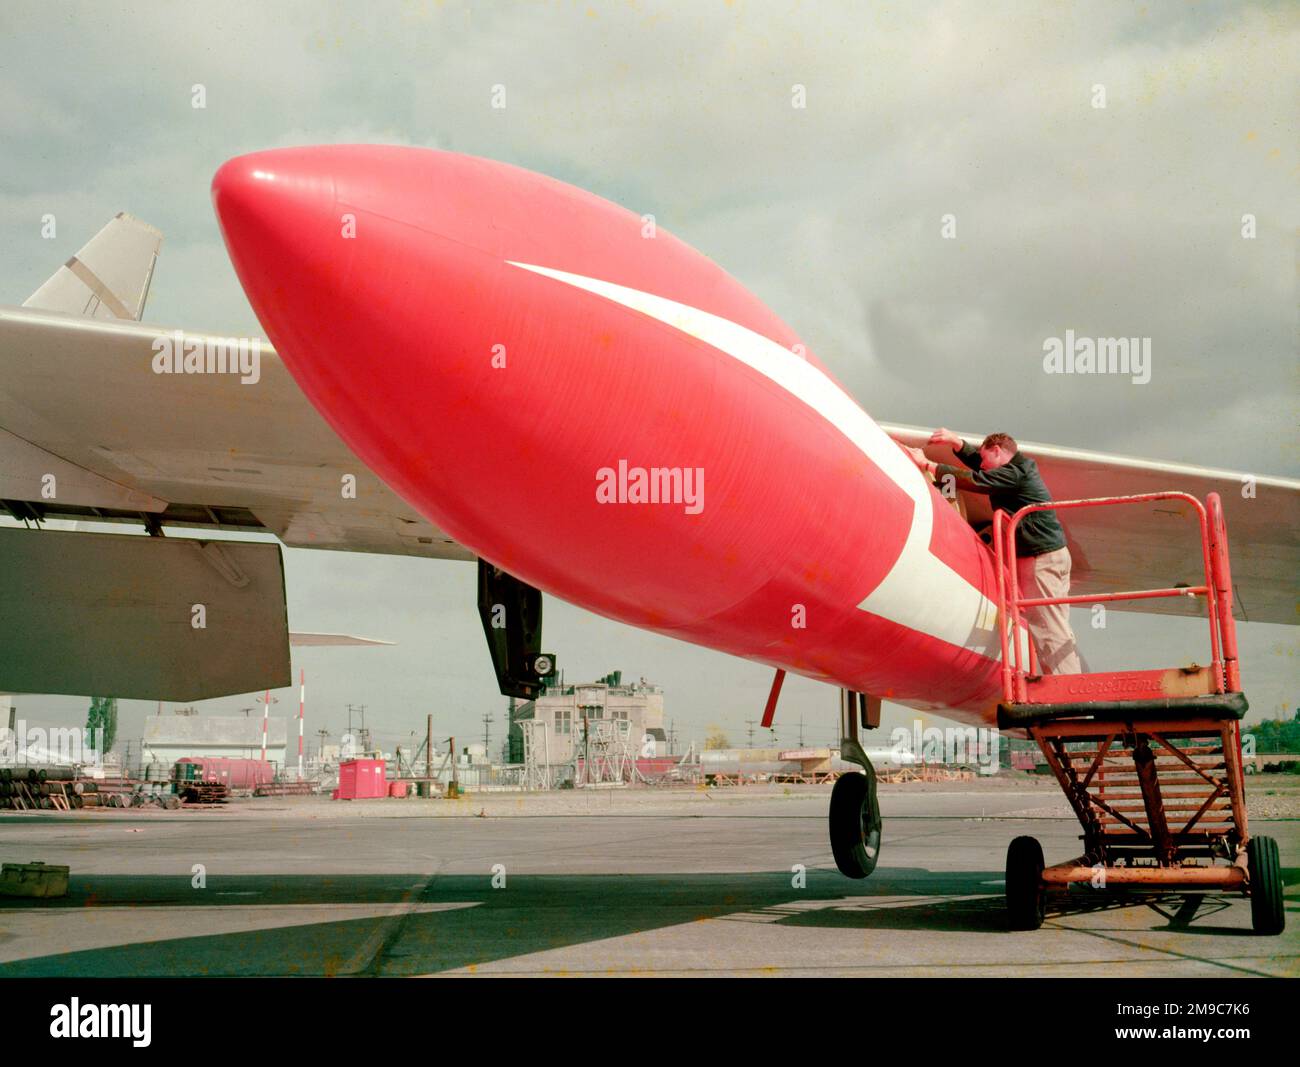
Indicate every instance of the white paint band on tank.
{"type": "Point", "coordinates": [920, 592]}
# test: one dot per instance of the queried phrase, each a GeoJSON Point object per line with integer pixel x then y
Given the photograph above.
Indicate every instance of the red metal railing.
{"type": "Point", "coordinates": [1217, 589]}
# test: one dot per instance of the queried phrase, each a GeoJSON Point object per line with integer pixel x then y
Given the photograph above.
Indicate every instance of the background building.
{"type": "Point", "coordinates": [564, 707]}
{"type": "Point", "coordinates": [168, 738]}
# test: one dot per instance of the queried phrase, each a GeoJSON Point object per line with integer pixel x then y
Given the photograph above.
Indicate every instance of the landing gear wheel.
{"type": "Point", "coordinates": [855, 825]}
{"type": "Point", "coordinates": [1265, 867]}
{"type": "Point", "coordinates": [1026, 899]}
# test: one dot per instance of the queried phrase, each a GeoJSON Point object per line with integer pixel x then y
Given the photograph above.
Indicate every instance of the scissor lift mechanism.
{"type": "Point", "coordinates": [1150, 761]}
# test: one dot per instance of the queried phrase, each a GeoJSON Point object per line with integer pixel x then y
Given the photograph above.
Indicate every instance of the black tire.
{"type": "Point", "coordinates": [1026, 898]}
{"type": "Point", "coordinates": [855, 825]}
{"type": "Point", "coordinates": [1266, 914]}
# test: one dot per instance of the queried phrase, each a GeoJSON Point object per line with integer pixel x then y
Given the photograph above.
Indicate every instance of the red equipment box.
{"type": "Point", "coordinates": [361, 779]}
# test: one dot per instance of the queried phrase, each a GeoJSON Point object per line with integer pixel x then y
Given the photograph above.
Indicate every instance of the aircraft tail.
{"type": "Point", "coordinates": [109, 278]}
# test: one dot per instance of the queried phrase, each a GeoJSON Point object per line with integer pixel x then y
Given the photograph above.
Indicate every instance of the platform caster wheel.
{"type": "Point", "coordinates": [855, 825]}
{"type": "Point", "coordinates": [1026, 897]}
{"type": "Point", "coordinates": [1266, 914]}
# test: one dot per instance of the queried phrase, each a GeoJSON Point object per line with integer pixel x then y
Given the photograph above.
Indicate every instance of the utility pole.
{"type": "Point", "coordinates": [672, 738]}
{"type": "Point", "coordinates": [801, 730]}
{"type": "Point", "coordinates": [363, 735]}
{"type": "Point", "coordinates": [510, 752]}
{"type": "Point", "coordinates": [752, 723]}
{"type": "Point", "coordinates": [487, 733]}
{"type": "Point", "coordinates": [428, 758]}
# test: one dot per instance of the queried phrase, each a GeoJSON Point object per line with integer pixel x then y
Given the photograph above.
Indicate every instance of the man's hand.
{"type": "Point", "coordinates": [918, 457]}
{"type": "Point", "coordinates": [944, 436]}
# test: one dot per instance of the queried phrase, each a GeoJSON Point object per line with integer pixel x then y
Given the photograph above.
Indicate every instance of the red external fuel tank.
{"type": "Point", "coordinates": [556, 387]}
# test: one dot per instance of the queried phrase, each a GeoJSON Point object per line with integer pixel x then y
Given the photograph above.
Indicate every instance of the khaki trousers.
{"type": "Point", "coordinates": [1048, 575]}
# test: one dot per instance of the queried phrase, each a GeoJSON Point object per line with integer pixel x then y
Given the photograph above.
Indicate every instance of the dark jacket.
{"type": "Point", "coordinates": [1009, 489]}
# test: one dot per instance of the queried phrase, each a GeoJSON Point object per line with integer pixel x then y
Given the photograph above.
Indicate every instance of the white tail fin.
{"type": "Point", "coordinates": [109, 278]}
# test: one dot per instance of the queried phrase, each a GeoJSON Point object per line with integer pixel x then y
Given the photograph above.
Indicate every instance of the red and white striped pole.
{"type": "Point", "coordinates": [302, 700]}
{"type": "Point", "coordinates": [266, 718]}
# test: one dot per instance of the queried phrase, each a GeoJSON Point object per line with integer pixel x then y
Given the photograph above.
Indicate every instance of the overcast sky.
{"type": "Point", "coordinates": [1123, 220]}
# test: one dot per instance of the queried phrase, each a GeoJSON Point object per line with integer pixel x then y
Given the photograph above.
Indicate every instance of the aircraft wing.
{"type": "Point", "coordinates": [306, 640]}
{"type": "Point", "coordinates": [1157, 545]}
{"type": "Point", "coordinates": [79, 400]}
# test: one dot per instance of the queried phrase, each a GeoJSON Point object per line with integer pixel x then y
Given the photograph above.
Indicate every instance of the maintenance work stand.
{"type": "Point", "coordinates": [1149, 760]}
